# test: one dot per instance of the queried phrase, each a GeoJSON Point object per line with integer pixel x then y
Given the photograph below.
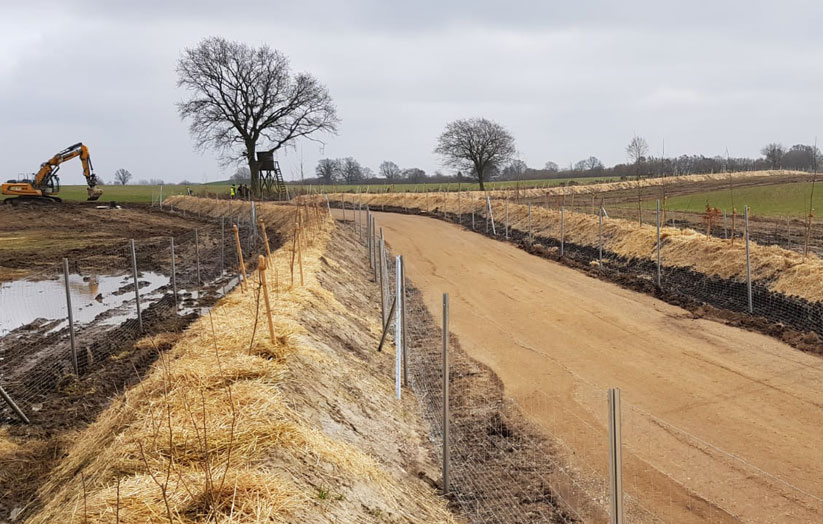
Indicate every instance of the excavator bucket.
{"type": "Point", "coordinates": [94, 193]}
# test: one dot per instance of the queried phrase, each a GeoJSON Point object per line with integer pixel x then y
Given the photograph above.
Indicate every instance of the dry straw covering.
{"type": "Point", "coordinates": [210, 434]}
{"type": "Point", "coordinates": [778, 269]}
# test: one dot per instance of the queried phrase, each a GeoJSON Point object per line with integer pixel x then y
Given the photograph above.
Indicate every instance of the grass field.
{"type": "Point", "coordinates": [791, 199]}
{"type": "Point", "coordinates": [122, 193]}
{"type": "Point", "coordinates": [145, 193]}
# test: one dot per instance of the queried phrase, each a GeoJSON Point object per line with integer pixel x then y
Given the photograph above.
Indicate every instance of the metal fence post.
{"type": "Point", "coordinates": [382, 263]}
{"type": "Point", "coordinates": [398, 327]}
{"type": "Point", "coordinates": [600, 237]}
{"type": "Point", "coordinates": [615, 457]}
{"type": "Point", "coordinates": [491, 214]}
{"type": "Point", "coordinates": [507, 219]}
{"type": "Point", "coordinates": [445, 393]}
{"type": "Point", "coordinates": [173, 275]}
{"type": "Point", "coordinates": [658, 245]}
{"type": "Point", "coordinates": [404, 329]}
{"type": "Point", "coordinates": [474, 199]}
{"type": "Point", "coordinates": [136, 287]}
{"type": "Point", "coordinates": [74, 363]}
{"type": "Point", "coordinates": [562, 230]}
{"type": "Point", "coordinates": [459, 207]}
{"type": "Point", "coordinates": [222, 245]}
{"type": "Point", "coordinates": [748, 261]}
{"type": "Point", "coordinates": [369, 238]}
{"type": "Point", "coordinates": [531, 236]}
{"type": "Point", "coordinates": [197, 253]}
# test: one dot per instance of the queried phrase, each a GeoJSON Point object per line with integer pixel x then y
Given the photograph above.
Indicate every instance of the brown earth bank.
{"type": "Point", "coordinates": [722, 425]}
{"type": "Point", "coordinates": [34, 239]}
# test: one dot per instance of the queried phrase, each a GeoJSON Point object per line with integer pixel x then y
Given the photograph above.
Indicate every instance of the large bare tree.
{"type": "Point", "coordinates": [477, 144]}
{"type": "Point", "coordinates": [240, 96]}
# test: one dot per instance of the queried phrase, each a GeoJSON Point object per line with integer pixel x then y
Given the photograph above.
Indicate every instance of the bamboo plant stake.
{"type": "Point", "coordinates": [261, 268]}
{"type": "Point", "coordinates": [241, 264]}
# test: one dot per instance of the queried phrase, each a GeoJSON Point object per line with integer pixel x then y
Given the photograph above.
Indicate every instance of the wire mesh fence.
{"type": "Point", "coordinates": [545, 458]}
{"type": "Point", "coordinates": [41, 351]}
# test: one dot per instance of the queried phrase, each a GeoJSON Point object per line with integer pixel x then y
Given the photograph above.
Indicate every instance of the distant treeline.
{"type": "Point", "coordinates": [799, 157]}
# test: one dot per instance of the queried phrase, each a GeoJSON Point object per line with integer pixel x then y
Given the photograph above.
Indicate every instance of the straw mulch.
{"type": "Point", "coordinates": [778, 269]}
{"type": "Point", "coordinates": [207, 435]}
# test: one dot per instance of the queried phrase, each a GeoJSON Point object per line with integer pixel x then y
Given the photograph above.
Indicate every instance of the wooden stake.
{"type": "Point", "coordinates": [300, 254]}
{"type": "Point", "coordinates": [261, 268]}
{"type": "Point", "coordinates": [293, 250]}
{"type": "Point", "coordinates": [242, 265]}
{"type": "Point", "coordinates": [265, 237]}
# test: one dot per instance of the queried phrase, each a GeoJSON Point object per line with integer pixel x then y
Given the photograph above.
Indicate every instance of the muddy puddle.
{"type": "Point", "coordinates": [108, 299]}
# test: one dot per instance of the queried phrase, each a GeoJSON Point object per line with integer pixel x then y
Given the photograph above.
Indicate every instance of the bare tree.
{"type": "Point", "coordinates": [327, 170]}
{"type": "Point", "coordinates": [515, 170]}
{"type": "Point", "coordinates": [637, 150]}
{"type": "Point", "coordinates": [415, 175]}
{"type": "Point", "coordinates": [241, 95]}
{"type": "Point", "coordinates": [551, 167]}
{"type": "Point", "coordinates": [475, 143]}
{"type": "Point", "coordinates": [774, 153]}
{"type": "Point", "coordinates": [390, 171]}
{"type": "Point", "coordinates": [122, 176]}
{"type": "Point", "coordinates": [350, 170]}
{"type": "Point", "coordinates": [592, 164]}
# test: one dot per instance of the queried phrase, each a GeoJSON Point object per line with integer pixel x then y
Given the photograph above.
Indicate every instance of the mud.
{"type": "Point", "coordinates": [34, 239]}
{"type": "Point", "coordinates": [113, 352]}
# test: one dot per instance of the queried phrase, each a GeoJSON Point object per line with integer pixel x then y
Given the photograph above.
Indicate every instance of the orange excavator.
{"type": "Point", "coordinates": [44, 185]}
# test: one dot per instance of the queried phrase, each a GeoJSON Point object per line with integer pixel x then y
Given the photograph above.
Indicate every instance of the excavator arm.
{"type": "Point", "coordinates": [46, 181]}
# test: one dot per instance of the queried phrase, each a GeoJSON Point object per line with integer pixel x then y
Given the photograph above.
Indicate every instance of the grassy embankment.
{"type": "Point", "coordinates": [145, 193]}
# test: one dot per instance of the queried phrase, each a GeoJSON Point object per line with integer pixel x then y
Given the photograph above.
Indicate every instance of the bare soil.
{"type": "Point", "coordinates": [34, 239]}
{"type": "Point", "coordinates": [551, 331]}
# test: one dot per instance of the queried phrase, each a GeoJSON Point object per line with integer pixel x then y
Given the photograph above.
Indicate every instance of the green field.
{"type": "Point", "coordinates": [123, 193]}
{"type": "Point", "coordinates": [144, 193]}
{"type": "Point", "coordinates": [790, 199]}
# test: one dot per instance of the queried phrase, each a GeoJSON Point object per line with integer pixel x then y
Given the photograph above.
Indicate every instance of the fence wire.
{"type": "Point", "coordinates": [36, 361]}
{"type": "Point", "coordinates": [496, 449]}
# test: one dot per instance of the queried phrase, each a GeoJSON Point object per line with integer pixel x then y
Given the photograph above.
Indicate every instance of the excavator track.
{"type": "Point", "coordinates": [33, 200]}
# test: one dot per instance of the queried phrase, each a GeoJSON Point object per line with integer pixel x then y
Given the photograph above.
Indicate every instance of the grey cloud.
{"type": "Point", "coordinates": [568, 79]}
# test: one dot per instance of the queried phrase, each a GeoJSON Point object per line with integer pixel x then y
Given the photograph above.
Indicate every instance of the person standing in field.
{"type": "Point", "coordinates": [232, 192]}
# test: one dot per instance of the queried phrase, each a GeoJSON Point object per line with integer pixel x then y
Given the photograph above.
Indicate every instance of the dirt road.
{"type": "Point", "coordinates": [719, 424]}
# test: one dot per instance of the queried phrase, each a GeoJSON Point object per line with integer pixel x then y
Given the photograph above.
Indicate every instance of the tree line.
{"type": "Point", "coordinates": [243, 99]}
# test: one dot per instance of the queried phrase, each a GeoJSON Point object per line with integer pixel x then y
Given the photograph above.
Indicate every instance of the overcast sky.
{"type": "Point", "coordinates": [568, 79]}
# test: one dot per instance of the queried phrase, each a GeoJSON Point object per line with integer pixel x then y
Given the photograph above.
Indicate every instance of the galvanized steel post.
{"type": "Point", "coordinates": [445, 393]}
{"type": "Point", "coordinates": [615, 458]}
{"type": "Point", "coordinates": [748, 262]}
{"type": "Point", "coordinates": [74, 363]}
{"type": "Point", "coordinates": [136, 288]}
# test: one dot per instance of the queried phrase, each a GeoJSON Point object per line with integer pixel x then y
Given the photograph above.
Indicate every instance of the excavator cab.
{"type": "Point", "coordinates": [46, 183]}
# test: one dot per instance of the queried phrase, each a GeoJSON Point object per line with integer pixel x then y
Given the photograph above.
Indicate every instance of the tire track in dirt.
{"type": "Point", "coordinates": [561, 334]}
